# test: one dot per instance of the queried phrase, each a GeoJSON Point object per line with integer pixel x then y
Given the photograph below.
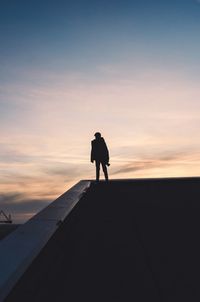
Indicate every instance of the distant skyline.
{"type": "Point", "coordinates": [129, 69]}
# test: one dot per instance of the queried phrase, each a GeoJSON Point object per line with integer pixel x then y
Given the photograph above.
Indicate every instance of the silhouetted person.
{"type": "Point", "coordinates": [100, 154]}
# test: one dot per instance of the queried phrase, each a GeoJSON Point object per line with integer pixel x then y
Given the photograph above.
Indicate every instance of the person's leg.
{"type": "Point", "coordinates": [97, 169]}
{"type": "Point", "coordinates": [105, 171]}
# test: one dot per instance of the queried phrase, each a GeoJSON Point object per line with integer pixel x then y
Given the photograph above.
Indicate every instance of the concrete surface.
{"type": "Point", "coordinates": [124, 241]}
{"type": "Point", "coordinates": [18, 250]}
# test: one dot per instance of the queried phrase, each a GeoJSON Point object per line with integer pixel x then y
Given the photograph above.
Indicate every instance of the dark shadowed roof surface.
{"type": "Point", "coordinates": [124, 241]}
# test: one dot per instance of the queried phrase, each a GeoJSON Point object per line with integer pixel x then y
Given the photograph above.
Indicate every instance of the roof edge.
{"type": "Point", "coordinates": [21, 247]}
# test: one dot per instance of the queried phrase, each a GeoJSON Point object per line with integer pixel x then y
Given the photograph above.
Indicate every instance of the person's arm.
{"type": "Point", "coordinates": [106, 151]}
{"type": "Point", "coordinates": [92, 153]}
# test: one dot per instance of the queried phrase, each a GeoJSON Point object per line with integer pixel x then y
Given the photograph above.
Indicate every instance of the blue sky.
{"type": "Point", "coordinates": [86, 32]}
{"type": "Point", "coordinates": [129, 69]}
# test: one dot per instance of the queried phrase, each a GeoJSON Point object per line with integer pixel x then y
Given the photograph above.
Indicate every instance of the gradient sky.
{"type": "Point", "coordinates": [129, 69]}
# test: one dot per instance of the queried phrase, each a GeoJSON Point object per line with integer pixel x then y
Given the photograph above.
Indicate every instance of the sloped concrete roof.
{"type": "Point", "coordinates": [20, 248]}
{"type": "Point", "coordinates": [132, 240]}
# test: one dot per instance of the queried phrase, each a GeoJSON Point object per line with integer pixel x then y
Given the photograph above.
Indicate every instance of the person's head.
{"type": "Point", "coordinates": [97, 135]}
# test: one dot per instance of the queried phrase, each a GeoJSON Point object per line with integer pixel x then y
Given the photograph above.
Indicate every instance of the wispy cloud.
{"type": "Point", "coordinates": [167, 161]}
{"type": "Point", "coordinates": [20, 207]}
{"type": "Point", "coordinates": [47, 126]}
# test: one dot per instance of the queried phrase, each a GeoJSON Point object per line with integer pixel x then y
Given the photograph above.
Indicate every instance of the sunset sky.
{"type": "Point", "coordinates": [129, 69]}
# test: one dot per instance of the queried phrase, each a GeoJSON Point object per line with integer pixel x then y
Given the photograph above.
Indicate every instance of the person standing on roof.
{"type": "Point", "coordinates": [100, 154]}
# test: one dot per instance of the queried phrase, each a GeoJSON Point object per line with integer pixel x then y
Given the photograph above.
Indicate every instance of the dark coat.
{"type": "Point", "coordinates": [99, 150]}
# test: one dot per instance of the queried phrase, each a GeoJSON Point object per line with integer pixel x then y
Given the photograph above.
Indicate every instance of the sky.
{"type": "Point", "coordinates": [128, 69]}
